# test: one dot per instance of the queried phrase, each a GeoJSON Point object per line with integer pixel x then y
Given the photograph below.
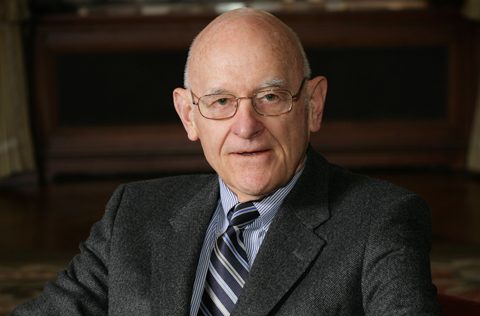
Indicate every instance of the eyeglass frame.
{"type": "Point", "coordinates": [237, 99]}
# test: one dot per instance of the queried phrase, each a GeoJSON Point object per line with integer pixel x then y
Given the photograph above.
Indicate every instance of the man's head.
{"type": "Point", "coordinates": [241, 53]}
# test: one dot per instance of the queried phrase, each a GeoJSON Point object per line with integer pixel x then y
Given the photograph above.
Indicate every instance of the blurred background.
{"type": "Point", "coordinates": [85, 104]}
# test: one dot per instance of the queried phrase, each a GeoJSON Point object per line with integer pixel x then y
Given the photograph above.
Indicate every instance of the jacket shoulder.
{"type": "Point", "coordinates": [362, 186]}
{"type": "Point", "coordinates": [172, 183]}
{"type": "Point", "coordinates": [168, 194]}
{"type": "Point", "coordinates": [358, 194]}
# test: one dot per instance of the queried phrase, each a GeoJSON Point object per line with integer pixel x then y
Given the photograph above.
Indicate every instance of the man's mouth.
{"type": "Point", "coordinates": [248, 153]}
{"type": "Point", "coordinates": [251, 153]}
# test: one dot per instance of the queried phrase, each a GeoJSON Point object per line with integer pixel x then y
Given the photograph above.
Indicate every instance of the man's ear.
{"type": "Point", "coordinates": [184, 107]}
{"type": "Point", "coordinates": [317, 91]}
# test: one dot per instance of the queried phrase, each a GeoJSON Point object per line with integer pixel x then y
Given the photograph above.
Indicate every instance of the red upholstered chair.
{"type": "Point", "coordinates": [456, 306]}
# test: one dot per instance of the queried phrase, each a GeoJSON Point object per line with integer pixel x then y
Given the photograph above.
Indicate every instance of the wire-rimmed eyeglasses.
{"type": "Point", "coordinates": [266, 102]}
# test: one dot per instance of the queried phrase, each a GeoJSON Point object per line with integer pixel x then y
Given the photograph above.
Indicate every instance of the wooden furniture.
{"type": "Point", "coordinates": [452, 306]}
{"type": "Point", "coordinates": [401, 89]}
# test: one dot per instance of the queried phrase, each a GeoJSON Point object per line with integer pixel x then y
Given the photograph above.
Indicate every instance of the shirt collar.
{"type": "Point", "coordinates": [267, 207]}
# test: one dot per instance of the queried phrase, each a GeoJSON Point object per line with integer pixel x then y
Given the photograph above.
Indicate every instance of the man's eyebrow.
{"type": "Point", "coordinates": [274, 83]}
{"type": "Point", "coordinates": [218, 91]}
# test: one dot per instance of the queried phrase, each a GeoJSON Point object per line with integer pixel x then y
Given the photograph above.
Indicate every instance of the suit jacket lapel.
{"type": "Point", "coordinates": [178, 247]}
{"type": "Point", "coordinates": [291, 244]}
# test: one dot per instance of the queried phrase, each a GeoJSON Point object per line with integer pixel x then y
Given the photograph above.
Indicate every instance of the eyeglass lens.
{"type": "Point", "coordinates": [271, 102]}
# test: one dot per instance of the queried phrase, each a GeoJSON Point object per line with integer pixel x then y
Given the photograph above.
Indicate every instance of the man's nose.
{"type": "Point", "coordinates": [246, 122]}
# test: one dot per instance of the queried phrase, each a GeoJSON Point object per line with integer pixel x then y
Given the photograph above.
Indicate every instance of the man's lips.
{"type": "Point", "coordinates": [251, 152]}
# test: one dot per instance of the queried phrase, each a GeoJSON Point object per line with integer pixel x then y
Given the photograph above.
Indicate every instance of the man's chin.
{"type": "Point", "coordinates": [251, 189]}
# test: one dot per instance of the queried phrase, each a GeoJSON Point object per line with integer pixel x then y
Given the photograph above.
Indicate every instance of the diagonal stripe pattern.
{"type": "Point", "coordinates": [228, 268]}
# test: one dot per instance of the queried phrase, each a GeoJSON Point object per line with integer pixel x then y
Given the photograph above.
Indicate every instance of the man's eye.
{"type": "Point", "coordinates": [270, 97]}
{"type": "Point", "coordinates": [221, 101]}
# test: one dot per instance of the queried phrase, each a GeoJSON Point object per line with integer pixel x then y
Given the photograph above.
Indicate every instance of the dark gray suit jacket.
{"type": "Point", "coordinates": [341, 244]}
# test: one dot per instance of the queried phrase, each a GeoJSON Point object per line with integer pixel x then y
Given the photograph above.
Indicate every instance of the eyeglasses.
{"type": "Point", "coordinates": [268, 102]}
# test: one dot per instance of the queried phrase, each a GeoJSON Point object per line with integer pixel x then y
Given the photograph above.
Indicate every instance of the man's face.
{"type": "Point", "coordinates": [253, 154]}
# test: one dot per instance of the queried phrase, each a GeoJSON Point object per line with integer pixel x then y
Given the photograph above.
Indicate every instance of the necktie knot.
{"type": "Point", "coordinates": [242, 215]}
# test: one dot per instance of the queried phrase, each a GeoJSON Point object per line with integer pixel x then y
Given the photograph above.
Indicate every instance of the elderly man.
{"type": "Point", "coordinates": [278, 230]}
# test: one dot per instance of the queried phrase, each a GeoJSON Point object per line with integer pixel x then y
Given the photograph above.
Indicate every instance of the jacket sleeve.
{"type": "Point", "coordinates": [396, 278]}
{"type": "Point", "coordinates": [81, 289]}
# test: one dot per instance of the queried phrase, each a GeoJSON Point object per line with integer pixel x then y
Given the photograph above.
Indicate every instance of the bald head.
{"type": "Point", "coordinates": [246, 29]}
{"type": "Point", "coordinates": [254, 58]}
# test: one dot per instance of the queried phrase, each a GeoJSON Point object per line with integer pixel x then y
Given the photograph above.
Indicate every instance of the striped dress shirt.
{"type": "Point", "coordinates": [253, 234]}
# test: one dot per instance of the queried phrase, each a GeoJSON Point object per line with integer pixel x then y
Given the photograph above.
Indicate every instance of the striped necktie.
{"type": "Point", "coordinates": [228, 268]}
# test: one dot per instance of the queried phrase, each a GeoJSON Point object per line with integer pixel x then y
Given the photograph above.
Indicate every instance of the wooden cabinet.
{"type": "Point", "coordinates": [401, 89]}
